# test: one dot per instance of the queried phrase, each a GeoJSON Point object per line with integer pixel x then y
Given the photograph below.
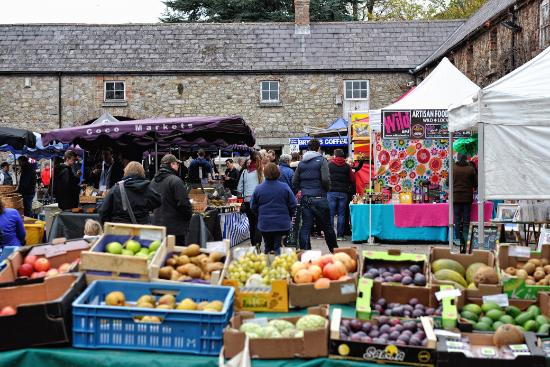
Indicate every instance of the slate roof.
{"type": "Point", "coordinates": [190, 47]}
{"type": "Point", "coordinates": [488, 11]}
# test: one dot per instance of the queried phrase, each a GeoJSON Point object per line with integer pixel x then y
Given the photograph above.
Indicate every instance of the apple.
{"type": "Point", "coordinates": [52, 272]}
{"type": "Point", "coordinates": [30, 259]}
{"type": "Point", "coordinates": [38, 274]}
{"type": "Point", "coordinates": [154, 246]}
{"type": "Point", "coordinates": [64, 268]}
{"type": "Point", "coordinates": [126, 252]}
{"type": "Point", "coordinates": [42, 265]}
{"type": "Point", "coordinates": [25, 270]}
{"type": "Point", "coordinates": [133, 246]}
{"type": "Point", "coordinates": [324, 260]}
{"type": "Point", "coordinates": [316, 271]}
{"type": "Point", "coordinates": [7, 311]}
{"type": "Point", "coordinates": [114, 248]}
{"type": "Point", "coordinates": [332, 271]}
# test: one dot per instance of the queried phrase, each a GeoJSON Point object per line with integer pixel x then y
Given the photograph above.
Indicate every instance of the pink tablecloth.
{"type": "Point", "coordinates": [431, 215]}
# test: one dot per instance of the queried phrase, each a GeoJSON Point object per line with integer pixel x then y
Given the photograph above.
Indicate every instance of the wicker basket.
{"type": "Point", "coordinates": [7, 189]}
{"type": "Point", "coordinates": [199, 202]}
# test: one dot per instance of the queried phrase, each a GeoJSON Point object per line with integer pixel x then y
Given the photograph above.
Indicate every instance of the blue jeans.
{"type": "Point", "coordinates": [337, 202]}
{"type": "Point", "coordinates": [316, 208]}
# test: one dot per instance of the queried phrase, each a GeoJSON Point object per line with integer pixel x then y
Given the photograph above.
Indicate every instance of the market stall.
{"type": "Point", "coordinates": [511, 117]}
{"type": "Point", "coordinates": [411, 157]}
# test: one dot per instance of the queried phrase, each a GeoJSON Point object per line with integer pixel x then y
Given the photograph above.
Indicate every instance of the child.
{"type": "Point", "coordinates": [92, 229]}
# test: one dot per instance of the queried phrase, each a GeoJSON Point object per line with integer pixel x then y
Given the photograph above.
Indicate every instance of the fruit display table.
{"type": "Point", "coordinates": [405, 222]}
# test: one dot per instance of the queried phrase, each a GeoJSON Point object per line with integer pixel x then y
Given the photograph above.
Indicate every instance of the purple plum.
{"type": "Point", "coordinates": [417, 313]}
{"type": "Point", "coordinates": [394, 335]}
{"type": "Point", "coordinates": [397, 278]}
{"type": "Point", "coordinates": [413, 301]}
{"type": "Point", "coordinates": [415, 268]}
{"type": "Point", "coordinates": [374, 333]}
{"type": "Point", "coordinates": [355, 325]}
{"type": "Point", "coordinates": [381, 302]}
{"type": "Point", "coordinates": [406, 280]}
{"type": "Point", "coordinates": [383, 320]}
{"type": "Point", "coordinates": [385, 328]}
{"type": "Point", "coordinates": [366, 339]}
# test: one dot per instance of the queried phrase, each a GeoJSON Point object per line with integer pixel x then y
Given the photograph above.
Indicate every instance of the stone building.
{"type": "Point", "coordinates": [281, 77]}
{"type": "Point", "coordinates": [501, 36]}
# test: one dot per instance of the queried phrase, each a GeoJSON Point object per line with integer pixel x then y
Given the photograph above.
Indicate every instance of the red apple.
{"type": "Point", "coordinates": [52, 272]}
{"type": "Point", "coordinates": [25, 270]}
{"type": "Point", "coordinates": [332, 271]}
{"type": "Point", "coordinates": [324, 260]}
{"type": "Point", "coordinates": [30, 259]}
{"type": "Point", "coordinates": [7, 311]}
{"type": "Point", "coordinates": [342, 267]}
{"type": "Point", "coordinates": [42, 265]}
{"type": "Point", "coordinates": [64, 268]}
{"type": "Point", "coordinates": [39, 274]}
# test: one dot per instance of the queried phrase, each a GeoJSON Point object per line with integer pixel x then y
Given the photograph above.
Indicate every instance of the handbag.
{"type": "Point", "coordinates": [126, 202]}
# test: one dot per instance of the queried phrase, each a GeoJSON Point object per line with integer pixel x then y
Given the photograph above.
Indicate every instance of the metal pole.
{"type": "Point", "coordinates": [15, 169]}
{"type": "Point", "coordinates": [450, 195]}
{"type": "Point", "coordinates": [371, 239]}
{"type": "Point", "coordinates": [156, 157]}
{"type": "Point", "coordinates": [481, 183]}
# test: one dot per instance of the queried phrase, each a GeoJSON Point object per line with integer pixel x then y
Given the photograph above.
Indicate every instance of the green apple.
{"type": "Point", "coordinates": [133, 246]}
{"type": "Point", "coordinates": [154, 246]}
{"type": "Point", "coordinates": [151, 255]}
{"type": "Point", "coordinates": [141, 254]}
{"type": "Point", "coordinates": [127, 252]}
{"type": "Point", "coordinates": [114, 248]}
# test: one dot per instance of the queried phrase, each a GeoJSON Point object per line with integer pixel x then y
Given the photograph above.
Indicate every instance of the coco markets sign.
{"type": "Point", "coordinates": [97, 130]}
{"type": "Point", "coordinates": [333, 141]}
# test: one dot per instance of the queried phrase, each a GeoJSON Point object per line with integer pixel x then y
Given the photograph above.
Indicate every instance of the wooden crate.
{"type": "Point", "coordinates": [101, 265]}
{"type": "Point", "coordinates": [171, 247]}
{"type": "Point", "coordinates": [199, 202]}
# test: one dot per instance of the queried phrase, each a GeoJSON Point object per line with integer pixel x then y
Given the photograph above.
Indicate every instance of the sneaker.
{"type": "Point", "coordinates": [340, 238]}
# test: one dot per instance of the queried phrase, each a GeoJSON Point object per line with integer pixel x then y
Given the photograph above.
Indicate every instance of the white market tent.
{"type": "Point", "coordinates": [443, 87]}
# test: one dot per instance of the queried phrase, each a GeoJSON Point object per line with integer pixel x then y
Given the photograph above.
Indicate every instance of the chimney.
{"type": "Point", "coordinates": [301, 16]}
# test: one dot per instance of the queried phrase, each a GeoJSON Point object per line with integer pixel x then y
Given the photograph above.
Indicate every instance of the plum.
{"type": "Point", "coordinates": [419, 280]}
{"type": "Point", "coordinates": [410, 325]}
{"type": "Point", "coordinates": [417, 313]}
{"type": "Point", "coordinates": [397, 311]}
{"type": "Point", "coordinates": [374, 272]}
{"type": "Point", "coordinates": [374, 333]}
{"type": "Point", "coordinates": [404, 338]}
{"type": "Point", "coordinates": [382, 270]}
{"type": "Point", "coordinates": [429, 311]}
{"type": "Point", "coordinates": [419, 306]}
{"type": "Point", "coordinates": [378, 308]}
{"type": "Point", "coordinates": [414, 268]}
{"type": "Point", "coordinates": [368, 276]}
{"type": "Point", "coordinates": [424, 342]}
{"type": "Point", "coordinates": [387, 312]}
{"type": "Point", "coordinates": [366, 327]}
{"type": "Point", "coordinates": [395, 322]}
{"type": "Point", "coordinates": [381, 302]}
{"type": "Point", "coordinates": [378, 279]}
{"type": "Point", "coordinates": [355, 325]}
{"type": "Point", "coordinates": [344, 337]}
{"type": "Point", "coordinates": [355, 337]}
{"type": "Point", "coordinates": [420, 334]}
{"type": "Point", "coordinates": [438, 312]}
{"type": "Point", "coordinates": [379, 340]}
{"type": "Point", "coordinates": [385, 328]}
{"type": "Point", "coordinates": [407, 313]}
{"type": "Point", "coordinates": [394, 335]}
{"type": "Point", "coordinates": [392, 269]}
{"type": "Point", "coordinates": [400, 342]}
{"type": "Point", "coordinates": [408, 308]}
{"type": "Point", "coordinates": [408, 333]}
{"type": "Point", "coordinates": [407, 272]}
{"type": "Point", "coordinates": [344, 330]}
{"type": "Point", "coordinates": [386, 274]}
{"type": "Point", "coordinates": [366, 339]}
{"type": "Point", "coordinates": [383, 320]}
{"type": "Point", "coordinates": [415, 341]}
{"type": "Point", "coordinates": [345, 323]}
{"type": "Point", "coordinates": [399, 327]}
{"type": "Point", "coordinates": [413, 301]}
{"type": "Point", "coordinates": [369, 267]}
{"type": "Point", "coordinates": [397, 278]}
{"type": "Point", "coordinates": [374, 327]}
{"type": "Point", "coordinates": [406, 280]}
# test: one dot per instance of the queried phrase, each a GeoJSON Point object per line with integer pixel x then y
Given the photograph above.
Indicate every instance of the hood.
{"type": "Point", "coordinates": [309, 155]}
{"type": "Point", "coordinates": [163, 173]}
{"type": "Point", "coordinates": [284, 164]}
{"type": "Point", "coordinates": [339, 161]}
{"type": "Point", "coordinates": [135, 183]}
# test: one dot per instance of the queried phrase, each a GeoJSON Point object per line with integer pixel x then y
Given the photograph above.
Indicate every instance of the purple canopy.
{"type": "Point", "coordinates": [182, 131]}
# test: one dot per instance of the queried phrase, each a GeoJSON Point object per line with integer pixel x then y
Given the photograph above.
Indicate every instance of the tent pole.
{"type": "Point", "coordinates": [371, 239]}
{"type": "Point", "coordinates": [156, 157]}
{"type": "Point", "coordinates": [15, 169]}
{"type": "Point", "coordinates": [481, 183]}
{"type": "Point", "coordinates": [450, 195]}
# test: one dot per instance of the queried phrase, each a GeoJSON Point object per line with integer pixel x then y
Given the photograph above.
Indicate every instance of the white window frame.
{"type": "Point", "coordinates": [114, 90]}
{"type": "Point", "coordinates": [270, 90]}
{"type": "Point", "coordinates": [353, 89]}
{"type": "Point", "coordinates": [544, 28]}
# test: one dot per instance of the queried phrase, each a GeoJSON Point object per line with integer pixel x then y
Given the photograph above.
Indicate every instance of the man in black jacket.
{"type": "Point", "coordinates": [66, 183]}
{"type": "Point", "coordinates": [176, 209]}
{"type": "Point", "coordinates": [231, 176]}
{"type": "Point", "coordinates": [27, 184]}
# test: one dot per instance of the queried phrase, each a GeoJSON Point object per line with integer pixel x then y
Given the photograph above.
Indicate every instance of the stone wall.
{"type": "Point", "coordinates": [306, 99]}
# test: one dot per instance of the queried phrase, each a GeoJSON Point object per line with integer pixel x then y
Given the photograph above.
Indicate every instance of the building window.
{"type": "Point", "coordinates": [114, 91]}
{"type": "Point", "coordinates": [544, 23]}
{"type": "Point", "coordinates": [493, 47]}
{"type": "Point", "coordinates": [356, 89]}
{"type": "Point", "coordinates": [269, 91]}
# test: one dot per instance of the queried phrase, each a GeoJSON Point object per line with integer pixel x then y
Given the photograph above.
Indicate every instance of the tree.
{"type": "Point", "coordinates": [251, 11]}
{"type": "Point", "coordinates": [453, 9]}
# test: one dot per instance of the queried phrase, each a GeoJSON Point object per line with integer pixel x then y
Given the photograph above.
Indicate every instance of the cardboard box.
{"type": "Point", "coordinates": [450, 352]}
{"type": "Point", "coordinates": [171, 248]}
{"type": "Point", "coordinates": [312, 345]}
{"type": "Point", "coordinates": [394, 258]}
{"type": "Point", "coordinates": [369, 292]}
{"type": "Point", "coordinates": [44, 312]}
{"type": "Point", "coordinates": [98, 264]}
{"type": "Point", "coordinates": [68, 252]}
{"type": "Point", "coordinates": [340, 291]}
{"type": "Point", "coordinates": [513, 286]}
{"type": "Point", "coordinates": [477, 256]}
{"type": "Point", "coordinates": [382, 353]}
{"type": "Point", "coordinates": [261, 299]}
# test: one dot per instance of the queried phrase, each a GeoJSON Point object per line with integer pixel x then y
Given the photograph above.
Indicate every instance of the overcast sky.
{"type": "Point", "coordinates": [80, 11]}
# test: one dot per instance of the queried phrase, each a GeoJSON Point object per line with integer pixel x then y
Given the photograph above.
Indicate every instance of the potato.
{"type": "Point", "coordinates": [542, 282]}
{"type": "Point", "coordinates": [182, 260]}
{"type": "Point", "coordinates": [194, 272]}
{"type": "Point", "coordinates": [165, 272]}
{"type": "Point", "coordinates": [521, 273]}
{"type": "Point", "coordinates": [204, 262]}
{"type": "Point", "coordinates": [539, 275]}
{"type": "Point", "coordinates": [534, 261]}
{"type": "Point", "coordinates": [184, 269]}
{"type": "Point", "coordinates": [530, 282]}
{"type": "Point", "coordinates": [510, 270]}
{"type": "Point", "coordinates": [175, 275]}
{"type": "Point", "coordinates": [184, 278]}
{"type": "Point", "coordinates": [529, 267]}
{"type": "Point", "coordinates": [210, 267]}
{"type": "Point", "coordinates": [215, 256]}
{"type": "Point", "coordinates": [197, 260]}
{"type": "Point", "coordinates": [543, 262]}
{"type": "Point", "coordinates": [546, 269]}
{"type": "Point", "coordinates": [193, 250]}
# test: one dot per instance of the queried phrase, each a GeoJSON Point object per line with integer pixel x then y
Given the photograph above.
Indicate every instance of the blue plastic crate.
{"type": "Point", "coordinates": [97, 326]}
{"type": "Point", "coordinates": [5, 252]}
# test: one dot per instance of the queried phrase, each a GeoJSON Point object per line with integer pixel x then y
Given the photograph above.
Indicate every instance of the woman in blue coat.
{"type": "Point", "coordinates": [274, 204]}
{"type": "Point", "coordinates": [12, 230]}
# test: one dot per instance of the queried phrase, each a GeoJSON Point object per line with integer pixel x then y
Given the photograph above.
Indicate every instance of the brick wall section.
{"type": "Point", "coordinates": [307, 99]}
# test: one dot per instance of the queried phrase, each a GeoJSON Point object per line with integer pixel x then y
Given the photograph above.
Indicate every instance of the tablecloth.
{"type": "Point", "coordinates": [383, 226]}
{"type": "Point", "coordinates": [431, 215]}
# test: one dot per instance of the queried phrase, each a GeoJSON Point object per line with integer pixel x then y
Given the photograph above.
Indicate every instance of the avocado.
{"type": "Point", "coordinates": [481, 326]}
{"type": "Point", "coordinates": [486, 320]}
{"type": "Point", "coordinates": [495, 314]}
{"type": "Point", "coordinates": [507, 319]}
{"type": "Point", "coordinates": [488, 306]}
{"type": "Point", "coordinates": [544, 329]}
{"type": "Point", "coordinates": [531, 325]}
{"type": "Point", "coordinates": [513, 311]}
{"type": "Point", "coordinates": [472, 307]}
{"type": "Point", "coordinates": [523, 317]}
{"type": "Point", "coordinates": [469, 315]}
{"type": "Point", "coordinates": [534, 309]}
{"type": "Point", "coordinates": [497, 324]}
{"type": "Point", "coordinates": [541, 319]}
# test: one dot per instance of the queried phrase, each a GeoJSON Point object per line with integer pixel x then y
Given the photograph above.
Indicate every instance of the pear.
{"type": "Point", "coordinates": [115, 299]}
{"type": "Point", "coordinates": [165, 307]}
{"type": "Point", "coordinates": [167, 299]}
{"type": "Point", "coordinates": [146, 298]}
{"type": "Point", "coordinates": [187, 304]}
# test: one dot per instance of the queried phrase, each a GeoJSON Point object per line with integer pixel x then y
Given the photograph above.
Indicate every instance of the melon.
{"type": "Point", "coordinates": [450, 275]}
{"type": "Point", "coordinates": [448, 264]}
{"type": "Point", "coordinates": [485, 275]}
{"type": "Point", "coordinates": [472, 270]}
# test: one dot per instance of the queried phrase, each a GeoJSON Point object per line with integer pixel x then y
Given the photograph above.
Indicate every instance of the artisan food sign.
{"type": "Point", "coordinates": [417, 124]}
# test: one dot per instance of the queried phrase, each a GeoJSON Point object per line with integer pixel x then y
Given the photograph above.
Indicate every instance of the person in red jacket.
{"type": "Point", "coordinates": [342, 178]}
{"type": "Point", "coordinates": [45, 175]}
{"type": "Point", "coordinates": [364, 174]}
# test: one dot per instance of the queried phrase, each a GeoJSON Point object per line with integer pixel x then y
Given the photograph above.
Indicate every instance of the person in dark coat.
{"type": "Point", "coordinates": [464, 184]}
{"type": "Point", "coordinates": [273, 203]}
{"type": "Point", "coordinates": [5, 177]}
{"type": "Point", "coordinates": [342, 178]}
{"type": "Point", "coordinates": [231, 178]}
{"type": "Point", "coordinates": [175, 210]}
{"type": "Point", "coordinates": [27, 184]}
{"type": "Point", "coordinates": [142, 198]}
{"type": "Point", "coordinates": [200, 169]}
{"type": "Point", "coordinates": [67, 183]}
{"type": "Point", "coordinates": [286, 172]}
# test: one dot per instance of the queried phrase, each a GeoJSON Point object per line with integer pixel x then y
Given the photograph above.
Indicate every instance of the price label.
{"type": "Point", "coordinates": [454, 346]}
{"type": "Point", "coordinates": [448, 334]}
{"type": "Point", "coordinates": [152, 235]}
{"type": "Point", "coordinates": [447, 294]}
{"type": "Point", "coordinates": [519, 251]}
{"type": "Point", "coordinates": [348, 289]}
{"type": "Point", "coordinates": [262, 321]}
{"type": "Point", "coordinates": [310, 255]}
{"type": "Point", "coordinates": [499, 299]}
{"type": "Point", "coordinates": [520, 349]}
{"type": "Point", "coordinates": [218, 246]}
{"type": "Point", "coordinates": [488, 352]}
